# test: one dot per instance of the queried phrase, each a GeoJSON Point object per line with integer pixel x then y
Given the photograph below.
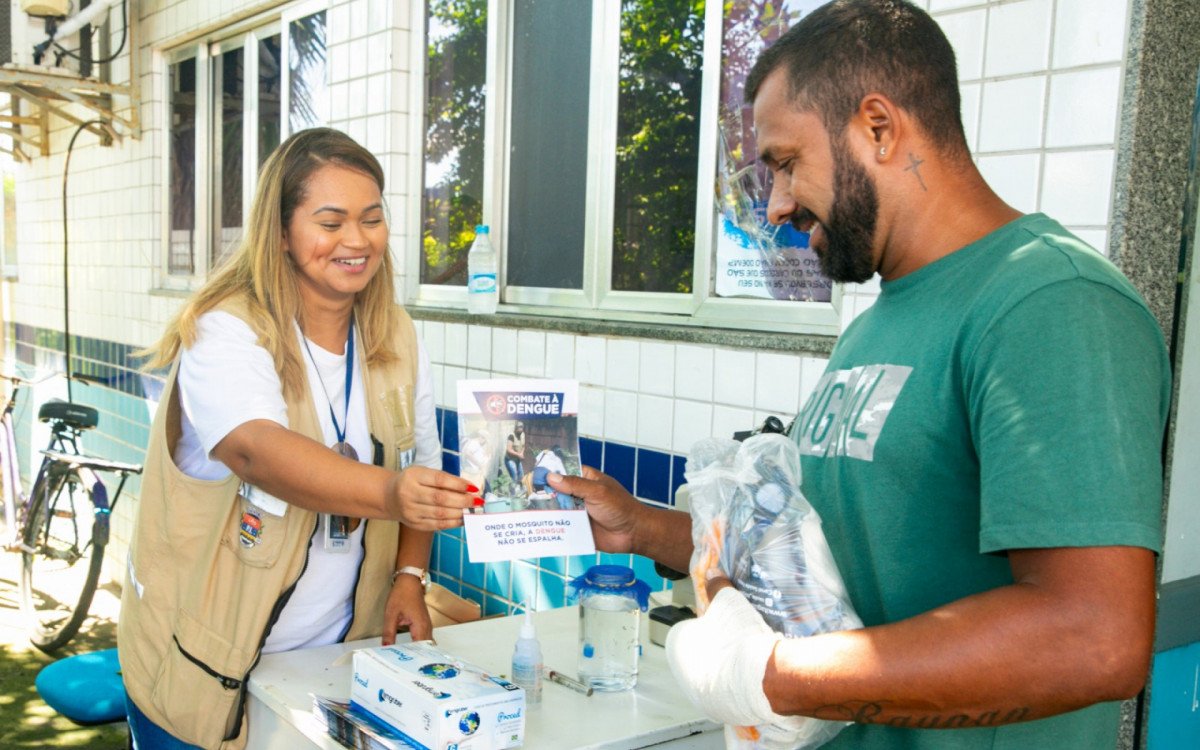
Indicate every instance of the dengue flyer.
{"type": "Point", "coordinates": [512, 434]}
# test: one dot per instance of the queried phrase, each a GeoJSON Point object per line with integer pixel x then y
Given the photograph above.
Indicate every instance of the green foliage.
{"type": "Point", "coordinates": [658, 130]}
{"type": "Point", "coordinates": [456, 66]}
{"type": "Point", "coordinates": [657, 150]}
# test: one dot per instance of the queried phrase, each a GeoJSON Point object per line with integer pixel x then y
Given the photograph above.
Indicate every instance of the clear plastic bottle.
{"type": "Point", "coordinates": [611, 600]}
{"type": "Point", "coordinates": [483, 294]}
{"type": "Point", "coordinates": [527, 662]}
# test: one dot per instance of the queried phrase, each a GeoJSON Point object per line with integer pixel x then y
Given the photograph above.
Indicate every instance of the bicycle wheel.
{"type": "Point", "coordinates": [63, 549]}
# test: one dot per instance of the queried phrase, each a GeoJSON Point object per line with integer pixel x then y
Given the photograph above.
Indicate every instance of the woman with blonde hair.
{"type": "Point", "coordinates": [291, 488]}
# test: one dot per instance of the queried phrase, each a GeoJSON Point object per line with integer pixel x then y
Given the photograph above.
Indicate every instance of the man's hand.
{"type": "Point", "coordinates": [612, 510]}
{"type": "Point", "coordinates": [719, 659]}
{"type": "Point", "coordinates": [428, 499]}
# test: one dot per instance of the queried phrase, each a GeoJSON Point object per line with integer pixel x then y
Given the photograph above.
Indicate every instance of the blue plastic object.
{"type": "Point", "coordinates": [85, 688]}
{"type": "Point", "coordinates": [611, 579]}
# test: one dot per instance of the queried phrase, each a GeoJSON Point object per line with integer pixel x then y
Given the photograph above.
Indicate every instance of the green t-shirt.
{"type": "Point", "coordinates": [1012, 394]}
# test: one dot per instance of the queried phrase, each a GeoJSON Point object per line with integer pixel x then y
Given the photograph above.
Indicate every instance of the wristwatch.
{"type": "Point", "coordinates": [411, 570]}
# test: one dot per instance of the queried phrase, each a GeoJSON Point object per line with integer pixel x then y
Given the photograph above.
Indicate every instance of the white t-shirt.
{"type": "Point", "coordinates": [225, 380]}
{"type": "Point", "coordinates": [549, 460]}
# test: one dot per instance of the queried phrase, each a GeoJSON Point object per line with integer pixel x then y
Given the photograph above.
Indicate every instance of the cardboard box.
{"type": "Point", "coordinates": [436, 700]}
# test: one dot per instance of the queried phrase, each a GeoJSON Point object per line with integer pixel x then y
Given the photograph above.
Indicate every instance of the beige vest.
{"type": "Point", "coordinates": [198, 602]}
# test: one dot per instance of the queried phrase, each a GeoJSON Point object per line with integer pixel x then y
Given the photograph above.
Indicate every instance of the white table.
{"type": "Point", "coordinates": [653, 714]}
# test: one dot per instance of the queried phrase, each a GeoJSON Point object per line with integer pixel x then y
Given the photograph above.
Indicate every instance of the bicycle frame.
{"type": "Point", "coordinates": [10, 477]}
{"type": "Point", "coordinates": [63, 442]}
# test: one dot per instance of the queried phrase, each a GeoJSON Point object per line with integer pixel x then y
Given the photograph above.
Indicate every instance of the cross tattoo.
{"type": "Point", "coordinates": [915, 165]}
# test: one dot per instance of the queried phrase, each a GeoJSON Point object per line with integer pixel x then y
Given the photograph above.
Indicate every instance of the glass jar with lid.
{"type": "Point", "coordinates": [611, 600]}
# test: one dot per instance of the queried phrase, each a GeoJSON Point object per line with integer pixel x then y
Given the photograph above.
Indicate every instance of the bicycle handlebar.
{"type": "Point", "coordinates": [19, 380]}
{"type": "Point", "coordinates": [92, 462]}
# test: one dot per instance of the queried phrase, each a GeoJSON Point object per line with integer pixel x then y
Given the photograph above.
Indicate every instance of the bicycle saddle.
{"type": "Point", "coordinates": [78, 416]}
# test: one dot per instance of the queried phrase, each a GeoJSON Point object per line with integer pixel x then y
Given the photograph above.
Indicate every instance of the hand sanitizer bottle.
{"type": "Point", "coordinates": [527, 662]}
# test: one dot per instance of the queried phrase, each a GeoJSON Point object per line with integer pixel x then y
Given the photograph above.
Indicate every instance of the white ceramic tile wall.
{"type": "Point", "coordinates": [1041, 93]}
{"type": "Point", "coordinates": [733, 377]}
{"type": "Point", "coordinates": [456, 344]}
{"type": "Point", "coordinates": [504, 351]}
{"type": "Point", "coordinates": [1041, 86]}
{"type": "Point", "coordinates": [1090, 31]}
{"type": "Point", "coordinates": [694, 372]}
{"type": "Point", "coordinates": [1014, 177]}
{"type": "Point", "coordinates": [479, 347]}
{"type": "Point", "coordinates": [590, 359]}
{"type": "Point", "coordinates": [622, 364]}
{"type": "Point", "coordinates": [1083, 107]}
{"type": "Point", "coordinates": [1077, 185]}
{"type": "Point", "coordinates": [560, 355]}
{"type": "Point", "coordinates": [1011, 114]}
{"type": "Point", "coordinates": [531, 354]}
{"type": "Point", "coordinates": [1018, 38]}
{"type": "Point", "coordinates": [620, 416]}
{"type": "Point", "coordinates": [777, 383]}
{"type": "Point", "coordinates": [969, 94]}
{"type": "Point", "coordinates": [116, 191]}
{"type": "Point", "coordinates": [966, 31]}
{"type": "Point", "coordinates": [657, 368]}
{"type": "Point", "coordinates": [693, 420]}
{"type": "Point", "coordinates": [654, 414]}
{"type": "Point", "coordinates": [591, 411]}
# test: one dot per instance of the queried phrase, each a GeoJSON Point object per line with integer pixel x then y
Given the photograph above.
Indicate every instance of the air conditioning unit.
{"type": "Point", "coordinates": [19, 32]}
{"type": "Point", "coordinates": [45, 7]}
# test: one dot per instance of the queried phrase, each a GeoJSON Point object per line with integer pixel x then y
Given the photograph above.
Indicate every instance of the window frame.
{"type": "Point", "coordinates": [9, 256]}
{"type": "Point", "coordinates": [245, 34]}
{"type": "Point", "coordinates": [701, 307]}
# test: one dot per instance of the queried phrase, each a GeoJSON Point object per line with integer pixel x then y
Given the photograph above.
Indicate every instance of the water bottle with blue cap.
{"type": "Point", "coordinates": [611, 600]}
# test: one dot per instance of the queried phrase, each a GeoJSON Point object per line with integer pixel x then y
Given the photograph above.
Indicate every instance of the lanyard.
{"type": "Point", "coordinates": [341, 431]}
{"type": "Point", "coordinates": [342, 446]}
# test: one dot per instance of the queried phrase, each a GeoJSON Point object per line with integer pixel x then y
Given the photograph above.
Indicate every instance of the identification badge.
{"type": "Point", "coordinates": [339, 528]}
{"type": "Point", "coordinates": [337, 532]}
{"type": "Point", "coordinates": [399, 406]}
{"type": "Point", "coordinates": [250, 529]}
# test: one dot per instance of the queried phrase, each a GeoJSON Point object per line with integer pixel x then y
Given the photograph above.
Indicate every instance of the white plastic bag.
{"type": "Point", "coordinates": [750, 520]}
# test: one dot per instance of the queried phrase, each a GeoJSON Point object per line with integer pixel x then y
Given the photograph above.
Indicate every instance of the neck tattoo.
{"type": "Point", "coordinates": [914, 164]}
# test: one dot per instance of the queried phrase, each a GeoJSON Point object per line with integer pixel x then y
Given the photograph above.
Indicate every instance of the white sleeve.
{"type": "Point", "coordinates": [429, 446]}
{"type": "Point", "coordinates": [226, 379]}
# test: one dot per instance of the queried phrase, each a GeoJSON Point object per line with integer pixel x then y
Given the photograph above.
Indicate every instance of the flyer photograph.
{"type": "Point", "coordinates": [512, 434]}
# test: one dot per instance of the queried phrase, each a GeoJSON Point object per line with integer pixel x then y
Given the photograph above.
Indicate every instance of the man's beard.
{"type": "Point", "coordinates": [851, 227]}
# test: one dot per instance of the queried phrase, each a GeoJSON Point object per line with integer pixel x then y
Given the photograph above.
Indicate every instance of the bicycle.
{"type": "Point", "coordinates": [49, 526]}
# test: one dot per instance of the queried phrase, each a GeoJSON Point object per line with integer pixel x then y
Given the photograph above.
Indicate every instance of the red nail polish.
{"type": "Point", "coordinates": [478, 502]}
{"type": "Point", "coordinates": [472, 488]}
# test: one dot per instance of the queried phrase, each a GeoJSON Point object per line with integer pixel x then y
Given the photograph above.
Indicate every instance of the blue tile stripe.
{"type": "Point", "coordinates": [500, 588]}
{"type": "Point", "coordinates": [118, 390]}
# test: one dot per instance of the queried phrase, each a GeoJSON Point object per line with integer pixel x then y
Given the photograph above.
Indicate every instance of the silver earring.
{"type": "Point", "coordinates": [883, 151]}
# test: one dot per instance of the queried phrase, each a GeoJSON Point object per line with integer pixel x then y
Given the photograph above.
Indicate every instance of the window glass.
{"type": "Point", "coordinates": [658, 131]}
{"type": "Point", "coordinates": [743, 183]}
{"type": "Point", "coordinates": [548, 149]}
{"type": "Point", "coordinates": [182, 167]}
{"type": "Point", "coordinates": [10, 222]}
{"type": "Point", "coordinates": [229, 95]}
{"type": "Point", "coordinates": [246, 120]}
{"type": "Point", "coordinates": [452, 183]}
{"type": "Point", "coordinates": [270, 82]}
{"type": "Point", "coordinates": [307, 106]}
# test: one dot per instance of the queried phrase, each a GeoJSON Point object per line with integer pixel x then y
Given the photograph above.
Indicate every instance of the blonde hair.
{"type": "Point", "coordinates": [260, 274]}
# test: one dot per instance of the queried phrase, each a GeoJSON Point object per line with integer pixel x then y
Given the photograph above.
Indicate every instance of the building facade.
{"type": "Point", "coordinates": [543, 120]}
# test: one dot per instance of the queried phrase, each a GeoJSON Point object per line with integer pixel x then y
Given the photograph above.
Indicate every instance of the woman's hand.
{"type": "Point", "coordinates": [406, 606]}
{"type": "Point", "coordinates": [428, 499]}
